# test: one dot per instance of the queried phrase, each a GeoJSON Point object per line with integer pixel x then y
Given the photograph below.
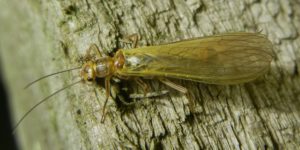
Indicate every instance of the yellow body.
{"type": "Point", "coordinates": [222, 59]}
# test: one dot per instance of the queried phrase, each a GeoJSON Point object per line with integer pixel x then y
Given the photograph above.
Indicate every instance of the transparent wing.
{"type": "Point", "coordinates": [222, 59]}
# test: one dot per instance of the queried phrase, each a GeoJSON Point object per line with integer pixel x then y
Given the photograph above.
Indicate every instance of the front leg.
{"type": "Point", "coordinates": [93, 47]}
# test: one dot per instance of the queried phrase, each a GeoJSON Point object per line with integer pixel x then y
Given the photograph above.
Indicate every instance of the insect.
{"type": "Point", "coordinates": [230, 58]}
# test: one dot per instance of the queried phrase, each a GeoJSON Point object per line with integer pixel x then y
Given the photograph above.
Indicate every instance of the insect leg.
{"type": "Point", "coordinates": [135, 96]}
{"type": "Point", "coordinates": [149, 94]}
{"type": "Point", "coordinates": [180, 89]}
{"type": "Point", "coordinates": [107, 87]}
{"type": "Point", "coordinates": [123, 77]}
{"type": "Point", "coordinates": [133, 38]}
{"type": "Point", "coordinates": [92, 47]}
{"type": "Point", "coordinates": [142, 84]}
{"type": "Point", "coordinates": [126, 103]}
{"type": "Point", "coordinates": [173, 85]}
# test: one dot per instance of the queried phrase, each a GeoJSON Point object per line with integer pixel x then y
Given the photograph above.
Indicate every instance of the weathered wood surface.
{"type": "Point", "coordinates": [41, 37]}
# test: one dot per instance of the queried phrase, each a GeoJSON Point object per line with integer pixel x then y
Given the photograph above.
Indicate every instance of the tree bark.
{"type": "Point", "coordinates": [41, 37]}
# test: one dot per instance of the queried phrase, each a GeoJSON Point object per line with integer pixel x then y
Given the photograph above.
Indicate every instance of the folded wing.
{"type": "Point", "coordinates": [222, 59]}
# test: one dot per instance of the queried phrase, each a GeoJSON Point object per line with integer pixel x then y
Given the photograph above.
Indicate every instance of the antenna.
{"type": "Point", "coordinates": [40, 102]}
{"type": "Point", "coordinates": [46, 76]}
